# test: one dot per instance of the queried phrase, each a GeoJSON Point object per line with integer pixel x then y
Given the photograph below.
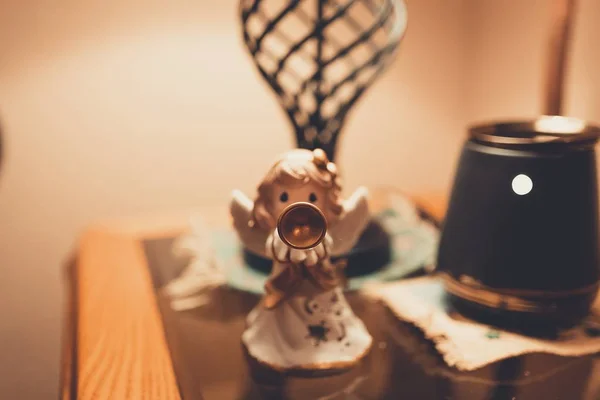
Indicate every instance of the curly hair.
{"type": "Point", "coordinates": [297, 168]}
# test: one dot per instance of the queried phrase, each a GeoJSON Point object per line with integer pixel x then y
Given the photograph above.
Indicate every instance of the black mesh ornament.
{"type": "Point", "coordinates": [320, 56]}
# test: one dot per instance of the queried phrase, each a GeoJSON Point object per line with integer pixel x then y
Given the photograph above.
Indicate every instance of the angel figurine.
{"type": "Point", "coordinates": [303, 322]}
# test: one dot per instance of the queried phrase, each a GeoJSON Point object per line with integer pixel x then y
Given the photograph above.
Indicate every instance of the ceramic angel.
{"type": "Point", "coordinates": [303, 322]}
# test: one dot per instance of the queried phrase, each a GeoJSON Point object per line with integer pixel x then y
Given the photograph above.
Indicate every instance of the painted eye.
{"type": "Point", "coordinates": [312, 198]}
{"type": "Point", "coordinates": [283, 197]}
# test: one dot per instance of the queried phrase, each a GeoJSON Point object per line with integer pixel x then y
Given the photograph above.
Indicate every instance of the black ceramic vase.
{"type": "Point", "coordinates": [519, 245]}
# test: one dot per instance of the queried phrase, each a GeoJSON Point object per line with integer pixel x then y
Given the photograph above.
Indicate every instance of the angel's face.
{"type": "Point", "coordinates": [310, 192]}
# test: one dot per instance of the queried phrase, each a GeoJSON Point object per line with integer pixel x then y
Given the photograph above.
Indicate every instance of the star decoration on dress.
{"type": "Point", "coordinates": [318, 333]}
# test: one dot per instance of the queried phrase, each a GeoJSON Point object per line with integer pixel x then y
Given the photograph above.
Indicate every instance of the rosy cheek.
{"type": "Point", "coordinates": [278, 210]}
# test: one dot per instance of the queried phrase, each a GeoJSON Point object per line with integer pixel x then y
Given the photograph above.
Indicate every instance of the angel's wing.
{"type": "Point", "coordinates": [253, 238]}
{"type": "Point", "coordinates": [355, 217]}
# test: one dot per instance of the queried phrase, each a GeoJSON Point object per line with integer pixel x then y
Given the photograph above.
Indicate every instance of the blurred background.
{"type": "Point", "coordinates": [122, 107]}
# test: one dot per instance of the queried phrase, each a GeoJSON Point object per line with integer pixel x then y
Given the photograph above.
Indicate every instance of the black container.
{"type": "Point", "coordinates": [519, 246]}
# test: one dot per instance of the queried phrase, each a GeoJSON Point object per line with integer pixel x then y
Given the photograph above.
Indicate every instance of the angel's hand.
{"type": "Point", "coordinates": [281, 252]}
{"type": "Point", "coordinates": [276, 248]}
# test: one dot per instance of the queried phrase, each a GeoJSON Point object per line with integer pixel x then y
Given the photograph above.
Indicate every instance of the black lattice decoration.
{"type": "Point", "coordinates": [320, 56]}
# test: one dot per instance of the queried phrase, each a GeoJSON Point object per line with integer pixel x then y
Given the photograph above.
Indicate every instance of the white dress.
{"type": "Point", "coordinates": [310, 330]}
{"type": "Point", "coordinates": [313, 328]}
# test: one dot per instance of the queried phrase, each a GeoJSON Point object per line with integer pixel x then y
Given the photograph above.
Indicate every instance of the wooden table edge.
{"type": "Point", "coordinates": [138, 324]}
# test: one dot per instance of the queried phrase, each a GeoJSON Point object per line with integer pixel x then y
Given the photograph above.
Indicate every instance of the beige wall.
{"type": "Point", "coordinates": [506, 56]}
{"type": "Point", "coordinates": [115, 108]}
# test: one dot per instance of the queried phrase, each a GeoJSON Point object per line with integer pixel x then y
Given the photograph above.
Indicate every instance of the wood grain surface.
{"type": "Point", "coordinates": [121, 348]}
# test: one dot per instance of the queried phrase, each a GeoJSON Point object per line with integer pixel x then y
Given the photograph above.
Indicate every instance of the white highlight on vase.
{"type": "Point", "coordinates": [522, 184]}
